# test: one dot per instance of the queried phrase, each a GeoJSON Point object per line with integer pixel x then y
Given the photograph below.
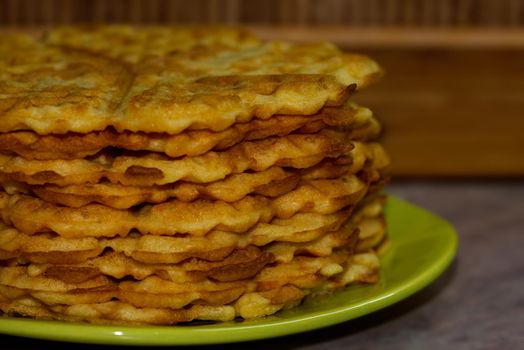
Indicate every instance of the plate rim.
{"type": "Point", "coordinates": [156, 335]}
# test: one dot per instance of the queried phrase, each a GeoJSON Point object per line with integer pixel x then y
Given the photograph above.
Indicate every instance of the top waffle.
{"type": "Point", "coordinates": [131, 44]}
{"type": "Point", "coordinates": [225, 76]}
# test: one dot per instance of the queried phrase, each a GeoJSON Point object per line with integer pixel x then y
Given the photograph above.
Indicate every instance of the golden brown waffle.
{"type": "Point", "coordinates": [161, 175]}
{"type": "Point", "coordinates": [214, 246]}
{"type": "Point", "coordinates": [304, 273]}
{"type": "Point", "coordinates": [301, 232]}
{"type": "Point", "coordinates": [367, 160]}
{"type": "Point", "coordinates": [324, 274]}
{"type": "Point", "coordinates": [240, 264]}
{"type": "Point", "coordinates": [296, 151]}
{"type": "Point", "coordinates": [32, 215]}
{"type": "Point", "coordinates": [358, 123]}
{"type": "Point", "coordinates": [205, 87]}
{"type": "Point", "coordinates": [272, 182]}
{"type": "Point", "coordinates": [134, 44]}
{"type": "Point", "coordinates": [43, 86]}
{"type": "Point", "coordinates": [115, 312]}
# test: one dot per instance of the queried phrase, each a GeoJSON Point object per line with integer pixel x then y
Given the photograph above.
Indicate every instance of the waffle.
{"type": "Point", "coordinates": [358, 122]}
{"type": "Point", "coordinates": [296, 151]}
{"type": "Point", "coordinates": [208, 87]}
{"type": "Point", "coordinates": [162, 175]}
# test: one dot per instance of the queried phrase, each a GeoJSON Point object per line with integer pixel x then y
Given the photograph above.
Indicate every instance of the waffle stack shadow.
{"type": "Point", "coordinates": [165, 175]}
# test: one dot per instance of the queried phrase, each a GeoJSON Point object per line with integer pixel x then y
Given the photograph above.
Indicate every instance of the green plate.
{"type": "Point", "coordinates": [423, 245]}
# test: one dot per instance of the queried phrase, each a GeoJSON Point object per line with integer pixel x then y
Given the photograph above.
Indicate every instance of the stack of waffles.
{"type": "Point", "coordinates": [164, 175]}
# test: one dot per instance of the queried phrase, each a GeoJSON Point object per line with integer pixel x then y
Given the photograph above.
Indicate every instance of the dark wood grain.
{"type": "Point", "coordinates": [413, 13]}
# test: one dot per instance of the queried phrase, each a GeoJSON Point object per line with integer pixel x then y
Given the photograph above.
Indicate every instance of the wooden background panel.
{"type": "Point", "coordinates": [440, 13]}
{"type": "Point", "coordinates": [398, 37]}
{"type": "Point", "coordinates": [451, 112]}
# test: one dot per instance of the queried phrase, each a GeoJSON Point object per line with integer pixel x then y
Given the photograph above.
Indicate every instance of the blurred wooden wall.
{"type": "Point", "coordinates": [502, 13]}
{"type": "Point", "coordinates": [452, 100]}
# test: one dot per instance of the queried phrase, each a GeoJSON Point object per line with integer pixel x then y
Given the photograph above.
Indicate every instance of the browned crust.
{"type": "Point", "coordinates": [210, 86]}
{"type": "Point", "coordinates": [30, 145]}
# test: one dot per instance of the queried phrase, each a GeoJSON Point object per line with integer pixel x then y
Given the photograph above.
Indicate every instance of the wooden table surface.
{"type": "Point", "coordinates": [478, 303]}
